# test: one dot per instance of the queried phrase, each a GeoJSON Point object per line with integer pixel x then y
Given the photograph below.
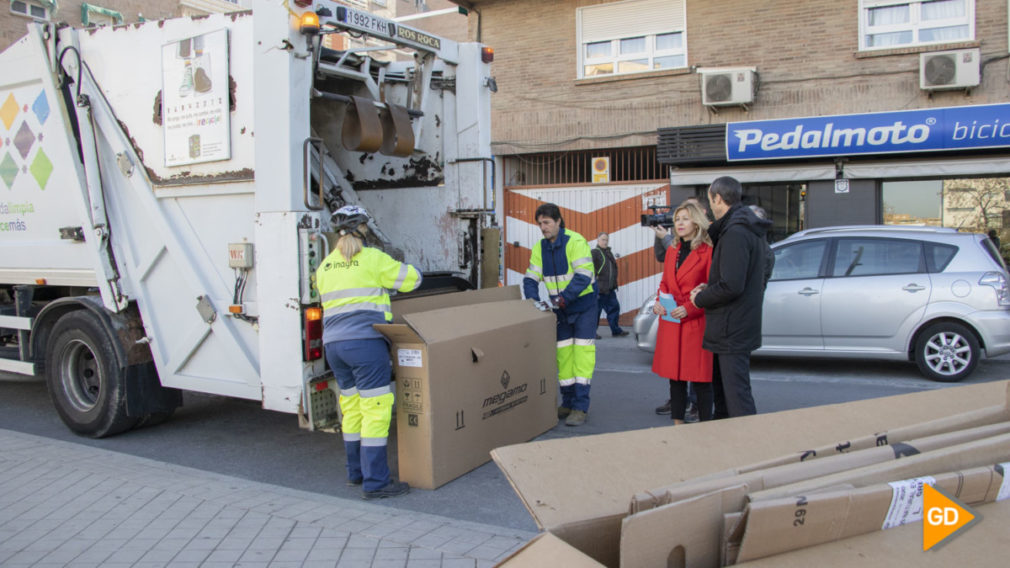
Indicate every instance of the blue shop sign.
{"type": "Point", "coordinates": [924, 130]}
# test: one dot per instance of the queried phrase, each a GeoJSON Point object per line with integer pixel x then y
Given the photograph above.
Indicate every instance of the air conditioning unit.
{"type": "Point", "coordinates": [727, 86]}
{"type": "Point", "coordinates": [943, 70]}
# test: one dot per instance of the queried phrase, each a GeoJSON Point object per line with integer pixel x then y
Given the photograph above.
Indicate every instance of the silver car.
{"type": "Point", "coordinates": [925, 294]}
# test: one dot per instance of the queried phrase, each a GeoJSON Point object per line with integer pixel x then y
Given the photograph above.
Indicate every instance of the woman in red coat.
{"type": "Point", "coordinates": [679, 356]}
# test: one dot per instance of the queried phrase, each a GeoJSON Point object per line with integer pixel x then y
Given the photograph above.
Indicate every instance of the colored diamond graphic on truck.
{"type": "Point", "coordinates": [41, 107]}
{"type": "Point", "coordinates": [8, 170]}
{"type": "Point", "coordinates": [41, 168]}
{"type": "Point", "coordinates": [24, 139]}
{"type": "Point", "coordinates": [9, 111]}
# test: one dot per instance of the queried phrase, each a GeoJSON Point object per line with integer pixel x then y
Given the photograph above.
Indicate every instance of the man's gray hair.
{"type": "Point", "coordinates": [602, 234]}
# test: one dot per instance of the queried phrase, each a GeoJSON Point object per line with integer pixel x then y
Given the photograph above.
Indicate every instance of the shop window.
{"type": "Point", "coordinates": [630, 37]}
{"type": "Point", "coordinates": [886, 24]}
{"type": "Point", "coordinates": [976, 204]}
{"type": "Point", "coordinates": [31, 9]}
{"type": "Point", "coordinates": [913, 202]}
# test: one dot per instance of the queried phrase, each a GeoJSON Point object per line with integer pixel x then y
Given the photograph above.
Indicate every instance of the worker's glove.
{"type": "Point", "coordinates": [542, 306]}
{"type": "Point", "coordinates": [559, 302]}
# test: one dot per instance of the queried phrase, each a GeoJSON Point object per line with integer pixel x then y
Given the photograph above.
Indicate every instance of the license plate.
{"type": "Point", "coordinates": [364, 21]}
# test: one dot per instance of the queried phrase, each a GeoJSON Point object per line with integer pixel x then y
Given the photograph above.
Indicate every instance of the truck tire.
{"type": "Point", "coordinates": [947, 352]}
{"type": "Point", "coordinates": [86, 381]}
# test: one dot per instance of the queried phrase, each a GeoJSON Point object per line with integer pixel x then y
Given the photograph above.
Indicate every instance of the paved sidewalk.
{"type": "Point", "coordinates": [63, 504]}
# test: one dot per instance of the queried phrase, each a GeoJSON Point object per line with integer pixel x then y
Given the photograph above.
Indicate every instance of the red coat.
{"type": "Point", "coordinates": [679, 354]}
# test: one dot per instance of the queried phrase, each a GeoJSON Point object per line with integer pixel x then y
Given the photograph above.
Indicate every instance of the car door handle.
{"type": "Point", "coordinates": [808, 291]}
{"type": "Point", "coordinates": [913, 287]}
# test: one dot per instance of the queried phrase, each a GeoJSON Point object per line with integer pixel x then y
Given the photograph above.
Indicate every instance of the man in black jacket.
{"type": "Point", "coordinates": [606, 281]}
{"type": "Point", "coordinates": [733, 296]}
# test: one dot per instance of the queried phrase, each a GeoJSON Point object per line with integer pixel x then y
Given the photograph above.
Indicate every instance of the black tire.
{"type": "Point", "coordinates": [947, 352]}
{"type": "Point", "coordinates": [86, 381]}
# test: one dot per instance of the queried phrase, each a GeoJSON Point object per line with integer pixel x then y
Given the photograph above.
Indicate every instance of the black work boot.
{"type": "Point", "coordinates": [392, 489]}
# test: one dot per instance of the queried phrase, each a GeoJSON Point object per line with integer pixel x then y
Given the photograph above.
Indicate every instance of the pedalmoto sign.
{"type": "Point", "coordinates": [924, 130]}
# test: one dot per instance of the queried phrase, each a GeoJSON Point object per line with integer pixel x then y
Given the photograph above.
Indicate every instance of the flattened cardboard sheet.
{"type": "Point", "coordinates": [548, 550]}
{"type": "Point", "coordinates": [780, 525]}
{"type": "Point", "coordinates": [985, 544]}
{"type": "Point", "coordinates": [621, 464]}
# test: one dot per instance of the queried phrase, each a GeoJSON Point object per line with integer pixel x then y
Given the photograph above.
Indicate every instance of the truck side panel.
{"type": "Point", "coordinates": [171, 225]}
{"type": "Point", "coordinates": [40, 189]}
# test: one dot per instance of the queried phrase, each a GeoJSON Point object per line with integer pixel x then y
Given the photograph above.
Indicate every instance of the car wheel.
{"type": "Point", "coordinates": [86, 383]}
{"type": "Point", "coordinates": [947, 352]}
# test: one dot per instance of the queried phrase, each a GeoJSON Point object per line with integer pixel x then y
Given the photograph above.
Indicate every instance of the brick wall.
{"type": "Point", "coordinates": [13, 26]}
{"type": "Point", "coordinates": [806, 54]}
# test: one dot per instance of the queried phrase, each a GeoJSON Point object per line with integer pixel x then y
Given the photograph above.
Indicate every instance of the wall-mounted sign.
{"type": "Point", "coordinates": [601, 169]}
{"type": "Point", "coordinates": [841, 185]}
{"type": "Point", "coordinates": [194, 99]}
{"type": "Point", "coordinates": [925, 130]}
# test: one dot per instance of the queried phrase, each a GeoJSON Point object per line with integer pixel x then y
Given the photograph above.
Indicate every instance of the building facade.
{"type": "Point", "coordinates": [670, 90]}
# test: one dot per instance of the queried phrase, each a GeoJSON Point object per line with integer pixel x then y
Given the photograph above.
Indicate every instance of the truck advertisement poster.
{"type": "Point", "coordinates": [195, 99]}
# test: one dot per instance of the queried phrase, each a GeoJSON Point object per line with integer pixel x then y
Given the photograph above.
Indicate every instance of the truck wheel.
{"type": "Point", "coordinates": [947, 352]}
{"type": "Point", "coordinates": [85, 380]}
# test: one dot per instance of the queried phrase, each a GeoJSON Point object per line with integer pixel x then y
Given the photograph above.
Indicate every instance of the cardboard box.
{"type": "Point", "coordinates": [474, 370]}
{"type": "Point", "coordinates": [780, 525]}
{"type": "Point", "coordinates": [579, 489]}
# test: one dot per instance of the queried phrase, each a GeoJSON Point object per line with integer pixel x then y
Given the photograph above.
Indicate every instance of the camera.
{"type": "Point", "coordinates": [661, 215]}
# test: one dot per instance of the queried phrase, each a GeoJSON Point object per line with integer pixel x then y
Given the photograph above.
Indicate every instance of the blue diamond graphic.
{"type": "Point", "coordinates": [41, 107]}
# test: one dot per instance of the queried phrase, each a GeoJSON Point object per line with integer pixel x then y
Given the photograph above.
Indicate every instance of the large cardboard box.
{"type": "Point", "coordinates": [580, 489]}
{"type": "Point", "coordinates": [474, 370]}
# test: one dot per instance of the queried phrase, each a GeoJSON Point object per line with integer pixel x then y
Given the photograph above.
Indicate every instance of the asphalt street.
{"type": "Point", "coordinates": [237, 438]}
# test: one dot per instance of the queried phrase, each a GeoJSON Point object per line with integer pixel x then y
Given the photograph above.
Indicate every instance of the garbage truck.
{"type": "Point", "coordinates": [166, 190]}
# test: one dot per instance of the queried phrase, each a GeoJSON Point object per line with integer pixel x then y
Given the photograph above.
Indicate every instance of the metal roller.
{"type": "Point", "coordinates": [397, 133]}
{"type": "Point", "coordinates": [362, 128]}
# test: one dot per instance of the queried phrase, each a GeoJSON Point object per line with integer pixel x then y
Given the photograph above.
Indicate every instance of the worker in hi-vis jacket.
{"type": "Point", "coordinates": [563, 262]}
{"type": "Point", "coordinates": [353, 282]}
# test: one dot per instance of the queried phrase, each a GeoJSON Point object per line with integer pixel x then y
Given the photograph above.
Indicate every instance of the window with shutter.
{"type": "Point", "coordinates": [628, 37]}
{"type": "Point", "coordinates": [887, 24]}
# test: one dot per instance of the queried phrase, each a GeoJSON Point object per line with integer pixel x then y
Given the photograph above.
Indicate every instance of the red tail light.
{"type": "Point", "coordinates": [313, 334]}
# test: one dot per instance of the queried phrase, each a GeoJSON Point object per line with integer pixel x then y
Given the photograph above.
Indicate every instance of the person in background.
{"type": "Point", "coordinates": [769, 255]}
{"type": "Point", "coordinates": [353, 281]}
{"type": "Point", "coordinates": [563, 262]}
{"type": "Point", "coordinates": [606, 281]}
{"type": "Point", "coordinates": [733, 296]}
{"type": "Point", "coordinates": [679, 355]}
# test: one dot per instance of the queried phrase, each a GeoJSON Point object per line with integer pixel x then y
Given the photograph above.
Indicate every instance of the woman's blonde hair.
{"type": "Point", "coordinates": [349, 244]}
{"type": "Point", "coordinates": [699, 219]}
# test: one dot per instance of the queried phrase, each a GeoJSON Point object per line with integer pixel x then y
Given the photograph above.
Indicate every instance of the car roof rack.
{"type": "Point", "coordinates": [884, 228]}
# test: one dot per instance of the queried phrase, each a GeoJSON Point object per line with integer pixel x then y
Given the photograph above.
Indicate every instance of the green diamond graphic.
{"type": "Point", "coordinates": [8, 170]}
{"type": "Point", "coordinates": [41, 168]}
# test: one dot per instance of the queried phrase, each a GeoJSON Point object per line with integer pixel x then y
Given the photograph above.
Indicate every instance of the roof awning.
{"type": "Point", "coordinates": [903, 168]}
{"type": "Point", "coordinates": [754, 174]}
